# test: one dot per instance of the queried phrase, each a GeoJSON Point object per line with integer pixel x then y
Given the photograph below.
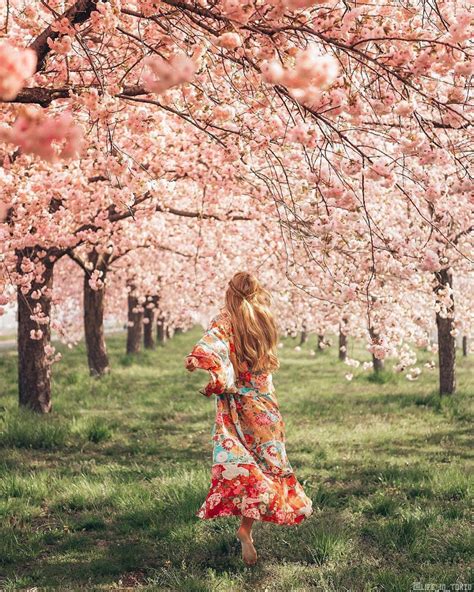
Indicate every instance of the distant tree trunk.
{"type": "Point", "coordinates": [320, 342]}
{"type": "Point", "coordinates": [161, 333]}
{"type": "Point", "coordinates": [149, 340]}
{"type": "Point", "coordinates": [94, 329]}
{"type": "Point", "coordinates": [446, 341]}
{"type": "Point", "coordinates": [135, 323]}
{"type": "Point", "coordinates": [465, 348]}
{"type": "Point", "coordinates": [168, 332]}
{"type": "Point", "coordinates": [304, 336]}
{"type": "Point", "coordinates": [34, 369]}
{"type": "Point", "coordinates": [342, 345]}
{"type": "Point", "coordinates": [377, 363]}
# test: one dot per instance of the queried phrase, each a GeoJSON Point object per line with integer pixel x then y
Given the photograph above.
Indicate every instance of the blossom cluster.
{"type": "Point", "coordinates": [312, 72]}
{"type": "Point", "coordinates": [162, 74]}
{"type": "Point", "coordinates": [16, 66]}
{"type": "Point", "coordinates": [49, 137]}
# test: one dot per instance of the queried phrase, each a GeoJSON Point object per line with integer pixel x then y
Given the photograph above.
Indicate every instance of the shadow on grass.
{"type": "Point", "coordinates": [159, 537]}
{"type": "Point", "coordinates": [115, 498]}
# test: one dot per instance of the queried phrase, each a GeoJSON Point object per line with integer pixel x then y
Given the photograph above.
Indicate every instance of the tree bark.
{"type": "Point", "coordinates": [446, 341]}
{"type": "Point", "coordinates": [342, 345]}
{"type": "Point", "coordinates": [135, 324]}
{"type": "Point", "coordinates": [149, 321]}
{"type": "Point", "coordinates": [34, 369]}
{"type": "Point", "coordinates": [78, 13]}
{"type": "Point", "coordinates": [161, 333]}
{"type": "Point", "coordinates": [465, 348]}
{"type": "Point", "coordinates": [304, 336]}
{"type": "Point", "coordinates": [320, 342]}
{"type": "Point", "coordinates": [377, 363]}
{"type": "Point", "coordinates": [97, 357]}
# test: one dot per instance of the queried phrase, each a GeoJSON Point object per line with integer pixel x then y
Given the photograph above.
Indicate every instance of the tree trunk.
{"type": "Point", "coordinates": [161, 335]}
{"type": "Point", "coordinates": [342, 345]}
{"type": "Point", "coordinates": [135, 324]}
{"type": "Point", "coordinates": [149, 314]}
{"type": "Point", "coordinates": [94, 329]}
{"type": "Point", "coordinates": [377, 363]}
{"type": "Point", "coordinates": [34, 369]}
{"type": "Point", "coordinates": [446, 341]}
{"type": "Point", "coordinates": [320, 342]}
{"type": "Point", "coordinates": [304, 336]}
{"type": "Point", "coordinates": [465, 348]}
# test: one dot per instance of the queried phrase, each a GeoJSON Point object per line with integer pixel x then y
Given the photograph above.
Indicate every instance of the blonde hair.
{"type": "Point", "coordinates": [254, 328]}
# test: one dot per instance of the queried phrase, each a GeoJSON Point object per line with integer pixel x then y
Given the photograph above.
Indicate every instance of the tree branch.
{"type": "Point", "coordinates": [45, 96]}
{"type": "Point", "coordinates": [78, 13]}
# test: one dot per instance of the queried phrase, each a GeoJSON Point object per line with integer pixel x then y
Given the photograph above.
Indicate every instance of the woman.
{"type": "Point", "coordinates": [251, 474]}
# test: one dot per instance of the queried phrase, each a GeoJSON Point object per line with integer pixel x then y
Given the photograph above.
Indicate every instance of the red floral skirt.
{"type": "Point", "coordinates": [252, 493]}
{"type": "Point", "coordinates": [251, 474]}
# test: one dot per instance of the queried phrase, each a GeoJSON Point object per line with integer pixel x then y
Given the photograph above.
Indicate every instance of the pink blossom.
{"type": "Point", "coordinates": [303, 134]}
{"type": "Point", "coordinates": [164, 74]}
{"type": "Point", "coordinates": [49, 350]}
{"type": "Point", "coordinates": [312, 67]}
{"type": "Point", "coordinates": [224, 113]}
{"type": "Point", "coordinates": [47, 137]}
{"type": "Point", "coordinates": [229, 40]}
{"type": "Point", "coordinates": [378, 350]}
{"type": "Point", "coordinates": [302, 4]}
{"type": "Point", "coordinates": [347, 201]}
{"type": "Point", "coordinates": [272, 72]}
{"type": "Point", "coordinates": [404, 108]}
{"type": "Point", "coordinates": [105, 18]}
{"type": "Point", "coordinates": [236, 10]}
{"type": "Point", "coordinates": [311, 73]}
{"type": "Point", "coordinates": [431, 261]}
{"type": "Point", "coordinates": [461, 29]}
{"type": "Point", "coordinates": [27, 265]}
{"type": "Point", "coordinates": [465, 68]}
{"type": "Point", "coordinates": [63, 26]}
{"type": "Point", "coordinates": [62, 45]}
{"type": "Point", "coordinates": [16, 65]}
{"type": "Point", "coordinates": [95, 281]}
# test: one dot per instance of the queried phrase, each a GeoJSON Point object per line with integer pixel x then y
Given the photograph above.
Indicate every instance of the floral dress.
{"type": "Point", "coordinates": [251, 474]}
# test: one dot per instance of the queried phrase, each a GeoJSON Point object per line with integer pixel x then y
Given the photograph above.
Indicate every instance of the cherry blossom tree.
{"type": "Point", "coordinates": [343, 127]}
{"type": "Point", "coordinates": [43, 226]}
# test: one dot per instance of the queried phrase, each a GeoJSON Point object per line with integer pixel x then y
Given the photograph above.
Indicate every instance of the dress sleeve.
{"type": "Point", "coordinates": [213, 353]}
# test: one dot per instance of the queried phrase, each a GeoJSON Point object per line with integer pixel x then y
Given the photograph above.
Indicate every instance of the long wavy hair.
{"type": "Point", "coordinates": [254, 328]}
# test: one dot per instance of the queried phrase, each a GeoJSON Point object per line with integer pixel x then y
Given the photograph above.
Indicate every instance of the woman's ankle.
{"type": "Point", "coordinates": [244, 532]}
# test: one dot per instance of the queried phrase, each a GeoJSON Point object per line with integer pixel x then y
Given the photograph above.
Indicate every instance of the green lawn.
{"type": "Point", "coordinates": [102, 493]}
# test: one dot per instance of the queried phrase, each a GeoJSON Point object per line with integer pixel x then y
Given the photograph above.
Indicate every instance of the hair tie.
{"type": "Point", "coordinates": [240, 293]}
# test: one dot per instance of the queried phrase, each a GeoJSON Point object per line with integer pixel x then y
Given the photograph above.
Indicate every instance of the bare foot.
{"type": "Point", "coordinates": [249, 553]}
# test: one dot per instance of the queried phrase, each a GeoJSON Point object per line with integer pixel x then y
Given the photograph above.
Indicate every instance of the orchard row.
{"type": "Point", "coordinates": [153, 148]}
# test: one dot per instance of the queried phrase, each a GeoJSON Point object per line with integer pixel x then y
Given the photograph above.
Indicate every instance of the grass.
{"type": "Point", "coordinates": [102, 494]}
